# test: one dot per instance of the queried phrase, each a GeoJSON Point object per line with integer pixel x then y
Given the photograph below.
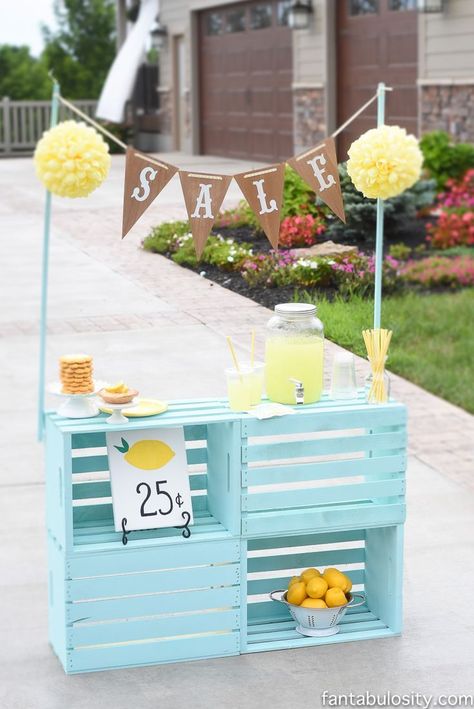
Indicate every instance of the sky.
{"type": "Point", "coordinates": [20, 22]}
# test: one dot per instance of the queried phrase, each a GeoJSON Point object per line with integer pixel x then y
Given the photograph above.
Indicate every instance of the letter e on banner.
{"type": "Point", "coordinates": [263, 190]}
{"type": "Point", "coordinates": [203, 196]}
{"type": "Point", "coordinates": [318, 168]}
{"type": "Point", "coordinates": [145, 177]}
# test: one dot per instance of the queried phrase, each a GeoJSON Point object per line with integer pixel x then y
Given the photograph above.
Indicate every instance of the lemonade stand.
{"type": "Point", "coordinates": [258, 501]}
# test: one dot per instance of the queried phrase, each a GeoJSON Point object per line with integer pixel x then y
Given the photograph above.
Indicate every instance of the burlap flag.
{"type": "Point", "coordinates": [263, 190]}
{"type": "Point", "coordinates": [318, 167]}
{"type": "Point", "coordinates": [145, 177]}
{"type": "Point", "coordinates": [203, 196]}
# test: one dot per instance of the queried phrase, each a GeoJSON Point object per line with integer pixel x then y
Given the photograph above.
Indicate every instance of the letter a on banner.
{"type": "Point", "coordinates": [263, 190]}
{"type": "Point", "coordinates": [203, 195]}
{"type": "Point", "coordinates": [145, 177]}
{"type": "Point", "coordinates": [318, 167]}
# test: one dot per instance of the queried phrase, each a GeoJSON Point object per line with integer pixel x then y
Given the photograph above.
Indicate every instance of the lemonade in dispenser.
{"type": "Point", "coordinates": [294, 351]}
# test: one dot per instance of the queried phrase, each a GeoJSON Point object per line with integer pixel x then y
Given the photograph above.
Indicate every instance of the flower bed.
{"type": "Point", "coordinates": [455, 225]}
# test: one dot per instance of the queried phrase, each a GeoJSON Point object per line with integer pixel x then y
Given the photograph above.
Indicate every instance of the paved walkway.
{"type": "Point", "coordinates": [156, 325]}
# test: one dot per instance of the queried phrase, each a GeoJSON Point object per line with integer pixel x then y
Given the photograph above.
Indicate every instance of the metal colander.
{"type": "Point", "coordinates": [318, 622]}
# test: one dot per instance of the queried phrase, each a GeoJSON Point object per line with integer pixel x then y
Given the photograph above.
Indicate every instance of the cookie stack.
{"type": "Point", "coordinates": [75, 371]}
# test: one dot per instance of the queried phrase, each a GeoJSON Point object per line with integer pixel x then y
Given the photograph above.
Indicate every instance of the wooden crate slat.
{"type": "Point", "coordinates": [336, 517]}
{"type": "Point", "coordinates": [101, 488]}
{"type": "Point", "coordinates": [308, 497]}
{"type": "Point", "coordinates": [323, 471]}
{"type": "Point", "coordinates": [157, 604]}
{"type": "Point", "coordinates": [97, 439]}
{"type": "Point", "coordinates": [187, 624]}
{"type": "Point", "coordinates": [305, 559]}
{"type": "Point", "coordinates": [259, 586]}
{"type": "Point", "coordinates": [151, 653]}
{"type": "Point", "coordinates": [321, 446]}
{"type": "Point", "coordinates": [190, 553]}
{"type": "Point", "coordinates": [282, 542]}
{"type": "Point", "coordinates": [315, 418]}
{"type": "Point", "coordinates": [182, 579]}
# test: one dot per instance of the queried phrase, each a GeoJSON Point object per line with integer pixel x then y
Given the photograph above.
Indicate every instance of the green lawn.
{"type": "Point", "coordinates": [432, 343]}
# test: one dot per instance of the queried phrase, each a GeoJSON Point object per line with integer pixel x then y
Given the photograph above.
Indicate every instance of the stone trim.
{"type": "Point", "coordinates": [468, 81]}
{"type": "Point", "coordinates": [309, 114]}
{"type": "Point", "coordinates": [449, 108]}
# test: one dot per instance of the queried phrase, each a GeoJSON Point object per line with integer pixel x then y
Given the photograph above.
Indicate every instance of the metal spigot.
{"type": "Point", "coordinates": [299, 391]}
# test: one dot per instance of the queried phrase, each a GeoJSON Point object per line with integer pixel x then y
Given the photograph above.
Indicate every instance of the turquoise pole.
{"type": "Point", "coordinates": [379, 226]}
{"type": "Point", "coordinates": [44, 279]}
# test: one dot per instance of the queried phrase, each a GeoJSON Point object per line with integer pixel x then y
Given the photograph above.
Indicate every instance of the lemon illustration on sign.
{"type": "Point", "coordinates": [146, 455]}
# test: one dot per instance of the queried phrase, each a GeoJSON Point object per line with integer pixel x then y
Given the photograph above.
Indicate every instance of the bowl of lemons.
{"type": "Point", "coordinates": [318, 601]}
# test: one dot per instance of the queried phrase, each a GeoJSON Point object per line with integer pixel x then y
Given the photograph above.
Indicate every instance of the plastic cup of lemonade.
{"type": "Point", "coordinates": [240, 387]}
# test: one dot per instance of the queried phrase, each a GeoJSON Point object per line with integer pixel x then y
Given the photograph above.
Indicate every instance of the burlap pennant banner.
{"type": "Point", "coordinates": [203, 196]}
{"type": "Point", "coordinates": [263, 190]}
{"type": "Point", "coordinates": [145, 177]}
{"type": "Point", "coordinates": [318, 167]}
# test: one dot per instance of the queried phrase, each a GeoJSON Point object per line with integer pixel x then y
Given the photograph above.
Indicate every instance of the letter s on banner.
{"type": "Point", "coordinates": [145, 177]}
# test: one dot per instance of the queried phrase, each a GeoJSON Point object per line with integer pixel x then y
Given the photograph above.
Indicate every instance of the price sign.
{"type": "Point", "coordinates": [149, 479]}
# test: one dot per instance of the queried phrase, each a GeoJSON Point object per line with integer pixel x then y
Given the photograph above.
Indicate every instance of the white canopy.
{"type": "Point", "coordinates": [119, 84]}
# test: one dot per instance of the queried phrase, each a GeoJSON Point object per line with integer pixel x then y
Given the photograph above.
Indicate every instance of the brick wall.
{"type": "Point", "coordinates": [309, 117]}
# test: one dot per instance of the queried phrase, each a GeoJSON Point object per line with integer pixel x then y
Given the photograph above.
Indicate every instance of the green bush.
{"type": "Point", "coordinates": [361, 212]}
{"type": "Point", "coordinates": [163, 237]}
{"type": "Point", "coordinates": [445, 159]}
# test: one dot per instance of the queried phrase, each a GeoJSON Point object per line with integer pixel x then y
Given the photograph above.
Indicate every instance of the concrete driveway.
{"type": "Point", "coordinates": [156, 325]}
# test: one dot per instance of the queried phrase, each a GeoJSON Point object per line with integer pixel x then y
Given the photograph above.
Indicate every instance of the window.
{"type": "Point", "coordinates": [402, 5]}
{"type": "Point", "coordinates": [235, 21]}
{"type": "Point", "coordinates": [214, 23]}
{"type": "Point", "coordinates": [261, 16]}
{"type": "Point", "coordinates": [363, 7]}
{"type": "Point", "coordinates": [283, 9]}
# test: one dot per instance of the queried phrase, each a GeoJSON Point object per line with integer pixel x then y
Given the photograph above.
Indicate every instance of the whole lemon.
{"type": "Point", "coordinates": [335, 578]}
{"type": "Point", "coordinates": [308, 574]}
{"type": "Point", "coordinates": [294, 579]}
{"type": "Point", "coordinates": [297, 593]}
{"type": "Point", "coordinates": [348, 584]}
{"type": "Point", "coordinates": [335, 597]}
{"type": "Point", "coordinates": [316, 587]}
{"type": "Point", "coordinates": [313, 603]}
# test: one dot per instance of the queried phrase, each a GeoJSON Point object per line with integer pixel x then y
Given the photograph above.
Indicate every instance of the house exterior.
{"type": "Point", "coordinates": [236, 81]}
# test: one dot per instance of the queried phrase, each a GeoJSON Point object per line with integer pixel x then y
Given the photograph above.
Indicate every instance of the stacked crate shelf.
{"type": "Point", "coordinates": [324, 486]}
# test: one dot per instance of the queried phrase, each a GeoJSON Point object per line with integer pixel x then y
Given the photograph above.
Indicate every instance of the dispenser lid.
{"type": "Point", "coordinates": [295, 310]}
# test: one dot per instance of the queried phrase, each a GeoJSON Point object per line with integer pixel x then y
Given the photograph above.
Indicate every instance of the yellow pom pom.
{"type": "Point", "coordinates": [72, 159]}
{"type": "Point", "coordinates": [384, 162]}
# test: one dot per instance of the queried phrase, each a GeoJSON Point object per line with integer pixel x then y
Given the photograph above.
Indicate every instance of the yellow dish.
{"type": "Point", "coordinates": [143, 407]}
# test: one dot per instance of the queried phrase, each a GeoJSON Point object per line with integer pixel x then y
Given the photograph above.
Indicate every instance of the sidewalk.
{"type": "Point", "coordinates": [155, 325]}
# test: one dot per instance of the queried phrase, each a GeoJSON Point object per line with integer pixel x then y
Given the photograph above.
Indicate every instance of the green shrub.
{"type": "Point", "coordinates": [361, 212]}
{"type": "Point", "coordinates": [163, 237]}
{"type": "Point", "coordinates": [445, 159]}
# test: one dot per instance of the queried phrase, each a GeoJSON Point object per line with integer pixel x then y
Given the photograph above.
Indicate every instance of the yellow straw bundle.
{"type": "Point", "coordinates": [377, 343]}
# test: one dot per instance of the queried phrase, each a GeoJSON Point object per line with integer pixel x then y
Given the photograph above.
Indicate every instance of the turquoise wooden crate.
{"type": "Point", "coordinates": [144, 605]}
{"type": "Point", "coordinates": [327, 467]}
{"type": "Point", "coordinates": [332, 471]}
{"type": "Point", "coordinates": [373, 558]}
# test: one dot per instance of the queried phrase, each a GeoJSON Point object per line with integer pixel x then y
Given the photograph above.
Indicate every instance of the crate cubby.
{"type": "Point", "coordinates": [371, 557]}
{"type": "Point", "coordinates": [324, 486]}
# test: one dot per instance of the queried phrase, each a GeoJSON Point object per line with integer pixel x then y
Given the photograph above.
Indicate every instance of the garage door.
{"type": "Point", "coordinates": [245, 81]}
{"type": "Point", "coordinates": [377, 41]}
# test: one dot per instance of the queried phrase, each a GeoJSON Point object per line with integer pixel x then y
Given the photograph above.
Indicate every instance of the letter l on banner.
{"type": "Point", "coordinates": [263, 190]}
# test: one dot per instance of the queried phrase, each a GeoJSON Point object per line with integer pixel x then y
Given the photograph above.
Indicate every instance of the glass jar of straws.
{"type": "Point", "coordinates": [377, 383]}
